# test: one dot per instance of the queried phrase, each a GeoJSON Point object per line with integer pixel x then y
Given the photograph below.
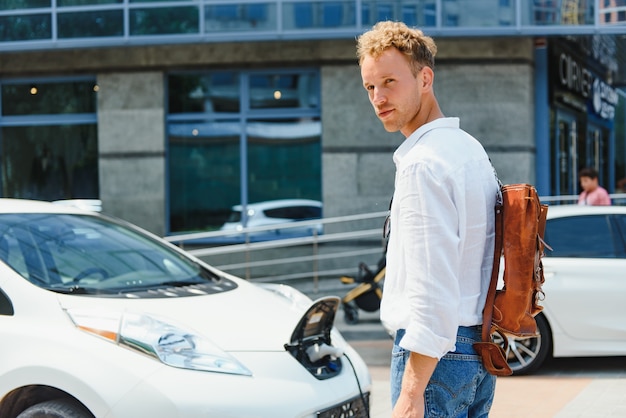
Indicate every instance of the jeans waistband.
{"type": "Point", "coordinates": [473, 331]}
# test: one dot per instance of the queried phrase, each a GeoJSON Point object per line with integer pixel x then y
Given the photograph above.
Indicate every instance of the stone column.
{"type": "Point", "coordinates": [131, 138]}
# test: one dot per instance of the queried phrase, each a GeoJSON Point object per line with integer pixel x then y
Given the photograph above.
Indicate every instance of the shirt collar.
{"type": "Point", "coordinates": [412, 139]}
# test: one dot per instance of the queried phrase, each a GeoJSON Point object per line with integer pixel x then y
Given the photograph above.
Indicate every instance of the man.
{"type": "Point", "coordinates": [440, 248]}
{"type": "Point", "coordinates": [592, 194]}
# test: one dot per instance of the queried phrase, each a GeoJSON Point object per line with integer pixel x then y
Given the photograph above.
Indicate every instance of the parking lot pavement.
{"type": "Point", "coordinates": [563, 388]}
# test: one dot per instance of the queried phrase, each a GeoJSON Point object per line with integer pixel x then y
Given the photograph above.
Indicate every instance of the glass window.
{"type": "Point", "coordinates": [582, 237]}
{"type": "Point", "coordinates": [553, 12]}
{"type": "Point", "coordinates": [283, 90]}
{"type": "Point", "coordinates": [91, 24]}
{"type": "Point", "coordinates": [416, 13]}
{"type": "Point", "coordinates": [297, 213]}
{"type": "Point", "coordinates": [240, 17]}
{"type": "Point", "coordinates": [23, 4]}
{"type": "Point", "coordinates": [65, 3]}
{"type": "Point", "coordinates": [6, 307]}
{"type": "Point", "coordinates": [48, 98]}
{"type": "Point", "coordinates": [477, 13]}
{"type": "Point", "coordinates": [311, 15]}
{"type": "Point", "coordinates": [257, 133]}
{"type": "Point", "coordinates": [49, 140]}
{"type": "Point", "coordinates": [213, 93]}
{"type": "Point", "coordinates": [50, 162]}
{"type": "Point", "coordinates": [204, 173]}
{"type": "Point", "coordinates": [621, 222]}
{"type": "Point", "coordinates": [164, 20]}
{"type": "Point", "coordinates": [284, 159]}
{"type": "Point", "coordinates": [25, 27]}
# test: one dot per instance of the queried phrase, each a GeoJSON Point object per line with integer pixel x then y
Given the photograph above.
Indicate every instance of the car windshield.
{"type": "Point", "coordinates": [85, 254]}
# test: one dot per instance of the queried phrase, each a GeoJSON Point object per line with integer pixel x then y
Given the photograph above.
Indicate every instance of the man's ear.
{"type": "Point", "coordinates": [427, 77]}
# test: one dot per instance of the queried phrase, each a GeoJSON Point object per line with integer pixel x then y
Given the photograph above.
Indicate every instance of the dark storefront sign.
{"type": "Point", "coordinates": [577, 85]}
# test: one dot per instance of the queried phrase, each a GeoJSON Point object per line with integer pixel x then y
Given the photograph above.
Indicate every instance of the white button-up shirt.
{"type": "Point", "coordinates": [440, 250]}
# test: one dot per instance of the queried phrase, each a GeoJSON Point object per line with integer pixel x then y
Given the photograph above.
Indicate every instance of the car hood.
{"type": "Point", "coordinates": [247, 318]}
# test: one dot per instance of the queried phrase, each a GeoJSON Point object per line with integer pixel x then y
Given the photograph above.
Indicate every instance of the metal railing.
{"type": "Point", "coordinates": [346, 241]}
{"type": "Point", "coordinates": [317, 256]}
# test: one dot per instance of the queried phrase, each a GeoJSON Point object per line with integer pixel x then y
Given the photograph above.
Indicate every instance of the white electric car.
{"type": "Point", "coordinates": [102, 319]}
{"type": "Point", "coordinates": [585, 288]}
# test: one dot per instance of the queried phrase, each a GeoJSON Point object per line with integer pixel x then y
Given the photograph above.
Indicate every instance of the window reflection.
{"type": "Point", "coordinates": [553, 12]}
{"type": "Point", "coordinates": [282, 90]}
{"type": "Point", "coordinates": [284, 159]}
{"type": "Point", "coordinates": [24, 4]}
{"type": "Point", "coordinates": [478, 13]}
{"type": "Point", "coordinates": [210, 127]}
{"type": "Point", "coordinates": [612, 12]}
{"type": "Point", "coordinates": [63, 3]}
{"type": "Point", "coordinates": [414, 13]}
{"type": "Point", "coordinates": [213, 93]}
{"type": "Point", "coordinates": [240, 17]}
{"type": "Point", "coordinates": [204, 173]}
{"type": "Point", "coordinates": [46, 98]}
{"type": "Point", "coordinates": [49, 151]}
{"type": "Point", "coordinates": [309, 15]}
{"type": "Point", "coordinates": [50, 162]}
{"type": "Point", "coordinates": [163, 20]}
{"type": "Point", "coordinates": [91, 24]}
{"type": "Point", "coordinates": [25, 27]}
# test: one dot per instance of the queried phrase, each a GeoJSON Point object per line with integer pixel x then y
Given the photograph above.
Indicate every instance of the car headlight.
{"type": "Point", "coordinates": [158, 338]}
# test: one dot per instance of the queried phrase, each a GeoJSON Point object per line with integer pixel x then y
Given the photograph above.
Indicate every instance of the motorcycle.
{"type": "Point", "coordinates": [367, 294]}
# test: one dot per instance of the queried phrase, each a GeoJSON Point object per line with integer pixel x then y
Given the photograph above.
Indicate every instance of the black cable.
{"type": "Point", "coordinates": [358, 383]}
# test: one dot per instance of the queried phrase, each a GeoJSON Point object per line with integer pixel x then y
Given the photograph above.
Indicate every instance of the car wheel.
{"type": "Point", "coordinates": [350, 314]}
{"type": "Point", "coordinates": [58, 408]}
{"type": "Point", "coordinates": [525, 355]}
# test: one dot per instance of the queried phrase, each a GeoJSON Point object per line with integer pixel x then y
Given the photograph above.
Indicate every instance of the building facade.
{"type": "Point", "coordinates": [173, 112]}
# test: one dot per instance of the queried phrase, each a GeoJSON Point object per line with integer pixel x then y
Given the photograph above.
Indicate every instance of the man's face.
{"type": "Point", "coordinates": [393, 90]}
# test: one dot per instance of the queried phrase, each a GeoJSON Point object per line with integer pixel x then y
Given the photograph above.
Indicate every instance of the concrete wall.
{"type": "Point", "coordinates": [489, 84]}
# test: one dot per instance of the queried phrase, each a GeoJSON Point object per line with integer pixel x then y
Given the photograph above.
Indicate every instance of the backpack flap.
{"type": "Point", "coordinates": [522, 248]}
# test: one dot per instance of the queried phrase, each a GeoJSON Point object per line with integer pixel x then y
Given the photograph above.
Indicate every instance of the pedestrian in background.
{"type": "Point", "coordinates": [440, 247]}
{"type": "Point", "coordinates": [592, 194]}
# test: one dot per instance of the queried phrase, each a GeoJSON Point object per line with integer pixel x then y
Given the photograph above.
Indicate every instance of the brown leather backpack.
{"type": "Point", "coordinates": [520, 226]}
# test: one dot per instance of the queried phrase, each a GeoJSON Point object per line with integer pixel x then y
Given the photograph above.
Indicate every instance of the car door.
{"type": "Point", "coordinates": [586, 276]}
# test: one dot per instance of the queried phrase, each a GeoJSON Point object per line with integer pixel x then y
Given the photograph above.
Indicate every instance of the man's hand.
{"type": "Point", "coordinates": [417, 373]}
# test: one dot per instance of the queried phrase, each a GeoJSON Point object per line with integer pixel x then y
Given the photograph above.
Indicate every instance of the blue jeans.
{"type": "Point", "coordinates": [460, 387]}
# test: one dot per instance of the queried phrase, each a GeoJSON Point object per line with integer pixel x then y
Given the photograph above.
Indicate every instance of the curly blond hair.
{"type": "Point", "coordinates": [419, 48]}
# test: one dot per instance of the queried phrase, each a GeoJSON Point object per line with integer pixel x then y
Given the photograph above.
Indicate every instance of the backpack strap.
{"type": "Point", "coordinates": [491, 294]}
{"type": "Point", "coordinates": [492, 354]}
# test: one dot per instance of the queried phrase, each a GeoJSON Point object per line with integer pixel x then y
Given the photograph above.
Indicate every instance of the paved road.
{"type": "Point", "coordinates": [563, 388]}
